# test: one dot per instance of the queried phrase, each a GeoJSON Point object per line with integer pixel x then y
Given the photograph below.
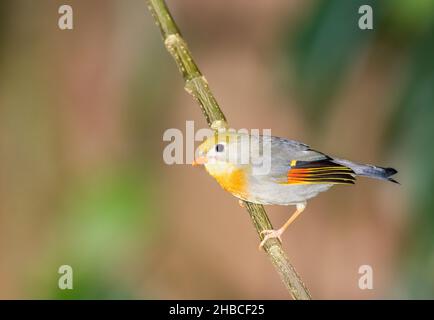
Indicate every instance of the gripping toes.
{"type": "Point", "coordinates": [270, 234]}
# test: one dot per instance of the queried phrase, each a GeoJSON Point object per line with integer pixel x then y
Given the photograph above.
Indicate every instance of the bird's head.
{"type": "Point", "coordinates": [223, 153]}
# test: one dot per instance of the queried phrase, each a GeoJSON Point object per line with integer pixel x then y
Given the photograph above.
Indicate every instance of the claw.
{"type": "Point", "coordinates": [270, 234]}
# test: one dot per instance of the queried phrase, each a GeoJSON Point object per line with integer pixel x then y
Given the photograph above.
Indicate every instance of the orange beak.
{"type": "Point", "coordinates": [199, 161]}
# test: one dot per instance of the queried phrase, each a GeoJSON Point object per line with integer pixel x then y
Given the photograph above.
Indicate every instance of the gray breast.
{"type": "Point", "coordinates": [269, 192]}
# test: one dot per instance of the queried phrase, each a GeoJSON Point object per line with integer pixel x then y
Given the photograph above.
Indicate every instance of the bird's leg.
{"type": "Point", "coordinates": [278, 233]}
{"type": "Point", "coordinates": [241, 203]}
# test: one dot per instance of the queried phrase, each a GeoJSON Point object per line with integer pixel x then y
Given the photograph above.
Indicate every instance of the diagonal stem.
{"type": "Point", "coordinates": [197, 86]}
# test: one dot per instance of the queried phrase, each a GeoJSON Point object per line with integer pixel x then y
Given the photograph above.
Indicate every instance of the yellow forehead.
{"type": "Point", "coordinates": [210, 142]}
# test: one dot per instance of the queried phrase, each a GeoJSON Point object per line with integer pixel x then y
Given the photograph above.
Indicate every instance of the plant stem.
{"type": "Point", "coordinates": [197, 86]}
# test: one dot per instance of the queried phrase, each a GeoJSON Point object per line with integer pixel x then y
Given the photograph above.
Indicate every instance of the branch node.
{"type": "Point", "coordinates": [219, 125]}
{"type": "Point", "coordinates": [171, 40]}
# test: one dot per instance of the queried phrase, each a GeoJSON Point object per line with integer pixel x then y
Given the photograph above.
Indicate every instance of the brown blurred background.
{"type": "Point", "coordinates": [82, 178]}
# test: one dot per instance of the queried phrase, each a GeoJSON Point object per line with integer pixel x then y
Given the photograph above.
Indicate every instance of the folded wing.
{"type": "Point", "coordinates": [319, 171]}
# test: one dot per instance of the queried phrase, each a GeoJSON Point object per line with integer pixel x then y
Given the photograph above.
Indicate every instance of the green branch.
{"type": "Point", "coordinates": [197, 86]}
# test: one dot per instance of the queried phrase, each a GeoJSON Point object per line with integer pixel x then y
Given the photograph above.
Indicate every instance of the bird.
{"type": "Point", "coordinates": [269, 170]}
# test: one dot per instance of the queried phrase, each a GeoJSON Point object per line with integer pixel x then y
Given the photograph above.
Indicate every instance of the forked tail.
{"type": "Point", "coordinates": [369, 171]}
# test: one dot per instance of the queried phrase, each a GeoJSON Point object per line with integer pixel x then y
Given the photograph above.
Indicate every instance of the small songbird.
{"type": "Point", "coordinates": [275, 171]}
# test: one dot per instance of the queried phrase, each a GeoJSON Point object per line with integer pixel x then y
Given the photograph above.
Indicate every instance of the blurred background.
{"type": "Point", "coordinates": [82, 178]}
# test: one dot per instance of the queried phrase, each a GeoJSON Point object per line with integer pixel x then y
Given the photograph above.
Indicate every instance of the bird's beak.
{"type": "Point", "coordinates": [199, 161]}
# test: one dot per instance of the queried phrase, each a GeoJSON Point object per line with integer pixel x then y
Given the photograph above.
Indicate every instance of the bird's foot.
{"type": "Point", "coordinates": [270, 234]}
{"type": "Point", "coordinates": [241, 203]}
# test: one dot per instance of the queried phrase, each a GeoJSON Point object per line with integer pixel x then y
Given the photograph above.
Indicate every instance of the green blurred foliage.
{"type": "Point", "coordinates": [95, 217]}
{"type": "Point", "coordinates": [324, 51]}
{"type": "Point", "coordinates": [106, 218]}
{"type": "Point", "coordinates": [408, 19]}
{"type": "Point", "coordinates": [411, 133]}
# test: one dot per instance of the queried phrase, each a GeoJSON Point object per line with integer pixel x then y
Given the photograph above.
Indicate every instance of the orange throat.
{"type": "Point", "coordinates": [230, 178]}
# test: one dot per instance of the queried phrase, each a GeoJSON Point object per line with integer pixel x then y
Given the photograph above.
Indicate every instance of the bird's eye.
{"type": "Point", "coordinates": [219, 148]}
